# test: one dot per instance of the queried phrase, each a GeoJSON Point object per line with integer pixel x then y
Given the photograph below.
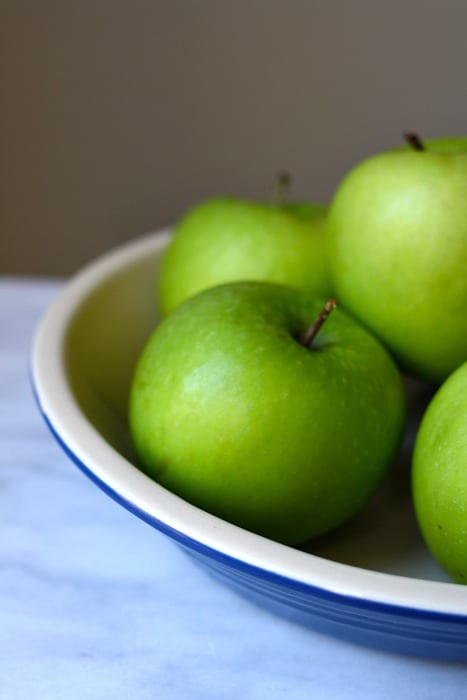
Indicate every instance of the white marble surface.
{"type": "Point", "coordinates": [96, 605]}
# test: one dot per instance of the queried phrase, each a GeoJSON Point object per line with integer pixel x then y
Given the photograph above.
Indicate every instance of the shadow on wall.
{"type": "Point", "coordinates": [116, 116]}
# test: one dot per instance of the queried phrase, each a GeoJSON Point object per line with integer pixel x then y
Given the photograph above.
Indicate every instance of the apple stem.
{"type": "Point", "coordinates": [283, 183]}
{"type": "Point", "coordinates": [314, 328]}
{"type": "Point", "coordinates": [414, 141]}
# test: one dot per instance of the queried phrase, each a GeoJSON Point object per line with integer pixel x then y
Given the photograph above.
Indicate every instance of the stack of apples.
{"type": "Point", "coordinates": [272, 395]}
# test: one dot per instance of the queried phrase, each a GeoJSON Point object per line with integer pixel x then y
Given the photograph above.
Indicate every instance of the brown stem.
{"type": "Point", "coordinates": [283, 183]}
{"type": "Point", "coordinates": [314, 328]}
{"type": "Point", "coordinates": [414, 141]}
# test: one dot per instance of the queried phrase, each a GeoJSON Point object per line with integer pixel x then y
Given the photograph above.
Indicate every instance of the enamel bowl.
{"type": "Point", "coordinates": [372, 581]}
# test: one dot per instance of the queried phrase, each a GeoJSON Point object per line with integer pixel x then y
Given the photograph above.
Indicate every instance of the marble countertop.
{"type": "Point", "coordinates": [95, 605]}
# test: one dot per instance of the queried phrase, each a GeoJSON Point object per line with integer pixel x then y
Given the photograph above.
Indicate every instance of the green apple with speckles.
{"type": "Point", "coordinates": [229, 239]}
{"type": "Point", "coordinates": [439, 475]}
{"type": "Point", "coordinates": [236, 411]}
{"type": "Point", "coordinates": [397, 231]}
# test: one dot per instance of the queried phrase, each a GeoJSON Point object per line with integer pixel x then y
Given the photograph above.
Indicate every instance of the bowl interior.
{"type": "Point", "coordinates": [104, 339]}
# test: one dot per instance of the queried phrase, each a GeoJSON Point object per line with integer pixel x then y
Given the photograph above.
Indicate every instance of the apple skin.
{"type": "Point", "coordinates": [439, 475]}
{"type": "Point", "coordinates": [227, 239]}
{"type": "Point", "coordinates": [229, 411]}
{"type": "Point", "coordinates": [397, 231]}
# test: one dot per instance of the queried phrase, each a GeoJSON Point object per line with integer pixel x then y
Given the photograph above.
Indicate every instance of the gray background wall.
{"type": "Point", "coordinates": [117, 115]}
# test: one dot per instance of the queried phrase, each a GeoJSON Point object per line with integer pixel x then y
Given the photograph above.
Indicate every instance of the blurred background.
{"type": "Point", "coordinates": [116, 116]}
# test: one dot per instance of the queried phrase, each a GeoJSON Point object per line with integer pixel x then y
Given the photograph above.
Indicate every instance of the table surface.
{"type": "Point", "coordinates": [95, 604]}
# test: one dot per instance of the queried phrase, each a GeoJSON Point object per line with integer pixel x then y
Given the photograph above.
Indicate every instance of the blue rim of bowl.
{"type": "Point", "coordinates": [424, 624]}
{"type": "Point", "coordinates": [330, 600]}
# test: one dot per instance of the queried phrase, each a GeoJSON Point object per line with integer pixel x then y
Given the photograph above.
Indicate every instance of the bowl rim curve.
{"type": "Point", "coordinates": [181, 520]}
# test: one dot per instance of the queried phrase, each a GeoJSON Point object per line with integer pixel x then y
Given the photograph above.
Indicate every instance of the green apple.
{"type": "Point", "coordinates": [397, 231]}
{"type": "Point", "coordinates": [439, 475]}
{"type": "Point", "coordinates": [236, 411]}
{"type": "Point", "coordinates": [227, 239]}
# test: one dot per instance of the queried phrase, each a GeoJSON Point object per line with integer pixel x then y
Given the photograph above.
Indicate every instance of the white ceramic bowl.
{"type": "Point", "coordinates": [371, 582]}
